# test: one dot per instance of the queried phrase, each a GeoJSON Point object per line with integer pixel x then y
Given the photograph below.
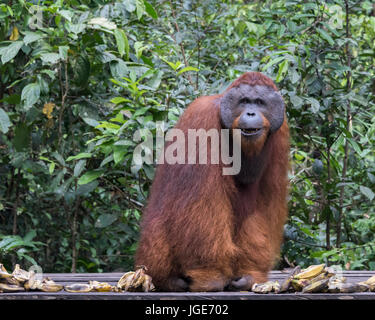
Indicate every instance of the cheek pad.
{"type": "Point", "coordinates": [273, 110]}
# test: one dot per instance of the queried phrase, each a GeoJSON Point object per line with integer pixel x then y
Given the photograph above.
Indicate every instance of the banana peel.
{"type": "Point", "coordinates": [4, 273]}
{"type": "Point", "coordinates": [126, 281]}
{"type": "Point", "coordinates": [347, 287]}
{"type": "Point", "coordinates": [101, 286]}
{"type": "Point", "coordinates": [310, 272]}
{"type": "Point", "coordinates": [316, 286]}
{"type": "Point", "coordinates": [147, 284]}
{"type": "Point", "coordinates": [285, 286]}
{"type": "Point", "coordinates": [21, 275]}
{"type": "Point", "coordinates": [48, 285]}
{"type": "Point", "coordinates": [21, 280]}
{"type": "Point", "coordinates": [78, 288]}
{"type": "Point", "coordinates": [299, 284]}
{"type": "Point", "coordinates": [266, 287]}
{"type": "Point", "coordinates": [5, 287]}
{"type": "Point", "coordinates": [136, 281]}
{"type": "Point", "coordinates": [370, 282]}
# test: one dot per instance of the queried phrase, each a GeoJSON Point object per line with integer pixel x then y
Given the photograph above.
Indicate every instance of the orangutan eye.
{"type": "Point", "coordinates": [245, 101]}
{"type": "Point", "coordinates": [259, 102]}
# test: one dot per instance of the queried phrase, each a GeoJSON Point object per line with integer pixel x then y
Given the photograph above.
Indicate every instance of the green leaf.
{"type": "Point", "coordinates": [91, 122]}
{"type": "Point", "coordinates": [324, 35]}
{"type": "Point", "coordinates": [68, 15]}
{"type": "Point", "coordinates": [31, 37]}
{"type": "Point", "coordinates": [82, 155]}
{"type": "Point", "coordinates": [5, 122]}
{"type": "Point", "coordinates": [50, 58]}
{"type": "Point", "coordinates": [102, 22]}
{"type": "Point", "coordinates": [63, 52]}
{"type": "Point", "coordinates": [129, 5]}
{"type": "Point", "coordinates": [118, 100]}
{"type": "Point", "coordinates": [314, 104]}
{"type": "Point", "coordinates": [90, 176]}
{"type": "Point", "coordinates": [140, 5]}
{"type": "Point", "coordinates": [149, 171]}
{"type": "Point", "coordinates": [296, 100]}
{"type": "Point", "coordinates": [11, 51]}
{"type": "Point", "coordinates": [30, 94]}
{"type": "Point", "coordinates": [150, 10]}
{"type": "Point", "coordinates": [187, 69]}
{"type": "Point", "coordinates": [30, 235]}
{"type": "Point", "coordinates": [356, 146]}
{"type": "Point", "coordinates": [367, 192]}
{"type": "Point", "coordinates": [119, 69]}
{"type": "Point", "coordinates": [28, 258]}
{"type": "Point", "coordinates": [105, 220]}
{"type": "Point", "coordinates": [122, 42]}
{"type": "Point", "coordinates": [78, 168]}
{"type": "Point", "coordinates": [51, 167]}
{"type": "Point", "coordinates": [283, 68]}
{"type": "Point", "coordinates": [107, 160]}
{"type": "Point", "coordinates": [21, 138]}
{"type": "Point", "coordinates": [140, 111]}
{"type": "Point", "coordinates": [119, 154]}
{"type": "Point", "coordinates": [86, 188]}
{"type": "Point", "coordinates": [155, 81]}
{"type": "Point", "coordinates": [272, 62]}
{"type": "Point", "coordinates": [82, 69]}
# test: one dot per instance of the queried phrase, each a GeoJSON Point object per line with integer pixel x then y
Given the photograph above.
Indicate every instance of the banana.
{"type": "Point", "coordinates": [32, 283]}
{"type": "Point", "coordinates": [51, 287]}
{"type": "Point", "coordinates": [147, 284]}
{"type": "Point", "coordinates": [100, 286]}
{"type": "Point", "coordinates": [136, 281]}
{"type": "Point", "coordinates": [137, 284]}
{"type": "Point", "coordinates": [138, 277]}
{"type": "Point", "coordinates": [276, 287]}
{"type": "Point", "coordinates": [370, 281]}
{"type": "Point", "coordinates": [317, 286]}
{"type": "Point", "coordinates": [330, 271]}
{"type": "Point", "coordinates": [12, 280]}
{"type": "Point", "coordinates": [4, 287]}
{"type": "Point", "coordinates": [262, 287]}
{"type": "Point", "coordinates": [310, 272]}
{"type": "Point", "coordinates": [299, 284]}
{"type": "Point", "coordinates": [266, 287]}
{"type": "Point", "coordinates": [287, 282]}
{"type": "Point", "coordinates": [21, 275]}
{"type": "Point", "coordinates": [324, 275]}
{"type": "Point", "coordinates": [48, 285]}
{"type": "Point", "coordinates": [4, 273]}
{"type": "Point", "coordinates": [78, 287]}
{"type": "Point", "coordinates": [126, 280]}
{"type": "Point", "coordinates": [347, 287]}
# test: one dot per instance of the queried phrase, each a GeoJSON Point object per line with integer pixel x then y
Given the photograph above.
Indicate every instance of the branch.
{"type": "Point", "coordinates": [181, 45]}
{"type": "Point", "coordinates": [348, 125]}
{"type": "Point", "coordinates": [64, 94]}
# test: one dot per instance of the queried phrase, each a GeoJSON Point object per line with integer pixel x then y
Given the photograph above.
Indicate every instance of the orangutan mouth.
{"type": "Point", "coordinates": [250, 131]}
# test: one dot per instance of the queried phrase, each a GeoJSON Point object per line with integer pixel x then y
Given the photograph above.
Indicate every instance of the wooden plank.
{"type": "Point", "coordinates": [112, 278]}
{"type": "Point", "coordinates": [183, 296]}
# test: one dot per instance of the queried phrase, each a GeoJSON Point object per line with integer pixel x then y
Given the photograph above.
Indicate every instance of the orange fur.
{"type": "Point", "coordinates": [201, 226]}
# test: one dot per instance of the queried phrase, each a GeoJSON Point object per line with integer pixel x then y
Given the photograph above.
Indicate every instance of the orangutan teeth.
{"type": "Point", "coordinates": [249, 131]}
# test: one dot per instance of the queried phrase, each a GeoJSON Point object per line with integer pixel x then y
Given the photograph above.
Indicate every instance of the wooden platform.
{"type": "Point", "coordinates": [112, 278]}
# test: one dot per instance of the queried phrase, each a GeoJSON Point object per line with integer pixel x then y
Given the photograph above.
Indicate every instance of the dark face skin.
{"type": "Point", "coordinates": [245, 107]}
{"type": "Point", "coordinates": [258, 111]}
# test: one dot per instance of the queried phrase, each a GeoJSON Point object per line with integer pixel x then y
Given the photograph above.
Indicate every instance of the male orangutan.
{"type": "Point", "coordinates": [205, 231]}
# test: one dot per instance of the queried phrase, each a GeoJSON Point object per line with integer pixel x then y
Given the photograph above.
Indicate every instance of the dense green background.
{"type": "Point", "coordinates": [73, 91]}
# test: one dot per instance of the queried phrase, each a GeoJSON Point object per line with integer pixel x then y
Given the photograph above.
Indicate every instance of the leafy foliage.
{"type": "Point", "coordinates": [80, 79]}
